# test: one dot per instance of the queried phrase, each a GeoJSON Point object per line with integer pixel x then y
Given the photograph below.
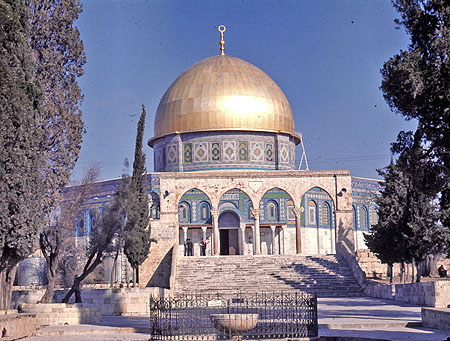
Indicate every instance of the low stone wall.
{"type": "Point", "coordinates": [113, 301]}
{"type": "Point", "coordinates": [431, 294]}
{"type": "Point", "coordinates": [15, 326]}
{"type": "Point", "coordinates": [384, 291]}
{"type": "Point", "coordinates": [438, 318]}
{"type": "Point", "coordinates": [51, 314]}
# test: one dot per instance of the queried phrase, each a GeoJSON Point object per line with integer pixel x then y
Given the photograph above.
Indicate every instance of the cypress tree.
{"type": "Point", "coordinates": [21, 186]}
{"type": "Point", "coordinates": [59, 58]}
{"type": "Point", "coordinates": [137, 229]}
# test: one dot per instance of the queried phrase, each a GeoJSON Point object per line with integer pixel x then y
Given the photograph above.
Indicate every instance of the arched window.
{"type": "Point", "coordinates": [312, 212]}
{"type": "Point", "coordinates": [355, 219]}
{"type": "Point", "coordinates": [271, 211]}
{"type": "Point", "coordinates": [183, 213]}
{"type": "Point", "coordinates": [204, 212]}
{"type": "Point", "coordinates": [374, 216]}
{"type": "Point", "coordinates": [363, 217]}
{"type": "Point", "coordinates": [325, 214]}
{"type": "Point", "coordinates": [88, 222]}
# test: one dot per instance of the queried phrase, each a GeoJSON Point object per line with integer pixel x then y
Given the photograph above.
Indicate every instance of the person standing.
{"type": "Point", "coordinates": [203, 248]}
{"type": "Point", "coordinates": [190, 247]}
{"type": "Point", "coordinates": [186, 247]}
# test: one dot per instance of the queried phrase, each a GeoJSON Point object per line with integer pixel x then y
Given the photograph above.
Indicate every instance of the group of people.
{"type": "Point", "coordinates": [189, 247]}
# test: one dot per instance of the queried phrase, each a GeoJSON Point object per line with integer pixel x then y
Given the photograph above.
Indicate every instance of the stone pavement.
{"type": "Point", "coordinates": [358, 318]}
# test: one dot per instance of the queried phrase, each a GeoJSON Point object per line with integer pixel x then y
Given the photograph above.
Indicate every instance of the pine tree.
{"type": "Point", "coordinates": [137, 229]}
{"type": "Point", "coordinates": [59, 57]}
{"type": "Point", "coordinates": [416, 85]}
{"type": "Point", "coordinates": [385, 239]}
{"type": "Point", "coordinates": [416, 82]}
{"type": "Point", "coordinates": [422, 228]}
{"type": "Point", "coordinates": [20, 179]}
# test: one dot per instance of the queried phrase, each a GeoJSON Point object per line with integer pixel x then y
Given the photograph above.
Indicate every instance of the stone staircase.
{"type": "Point", "coordinates": [326, 275]}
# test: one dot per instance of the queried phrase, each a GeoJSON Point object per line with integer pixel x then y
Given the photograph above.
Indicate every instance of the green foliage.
{"type": "Point", "coordinates": [137, 229]}
{"type": "Point", "coordinates": [416, 85]}
{"type": "Point", "coordinates": [20, 179]}
{"type": "Point", "coordinates": [57, 51]}
{"type": "Point", "coordinates": [385, 239]}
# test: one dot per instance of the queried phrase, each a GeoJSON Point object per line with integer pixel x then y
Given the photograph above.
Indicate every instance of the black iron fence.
{"type": "Point", "coordinates": [262, 316]}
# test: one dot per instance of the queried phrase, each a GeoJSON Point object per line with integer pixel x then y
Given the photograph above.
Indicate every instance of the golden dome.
{"type": "Point", "coordinates": [223, 93]}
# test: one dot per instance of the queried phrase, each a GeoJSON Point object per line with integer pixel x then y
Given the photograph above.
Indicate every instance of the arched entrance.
{"type": "Point", "coordinates": [228, 233]}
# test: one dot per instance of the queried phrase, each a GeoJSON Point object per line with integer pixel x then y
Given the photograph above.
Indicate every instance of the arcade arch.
{"type": "Point", "coordinates": [195, 220]}
{"type": "Point", "coordinates": [318, 223]}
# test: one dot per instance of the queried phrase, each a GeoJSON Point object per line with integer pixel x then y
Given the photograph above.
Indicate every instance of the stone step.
{"type": "Point", "coordinates": [326, 275]}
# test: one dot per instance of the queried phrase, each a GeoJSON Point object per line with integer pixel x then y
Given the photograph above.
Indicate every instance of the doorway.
{"type": "Point", "coordinates": [228, 233]}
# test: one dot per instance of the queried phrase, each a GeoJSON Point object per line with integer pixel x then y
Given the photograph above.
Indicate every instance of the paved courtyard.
{"type": "Point", "coordinates": [355, 318]}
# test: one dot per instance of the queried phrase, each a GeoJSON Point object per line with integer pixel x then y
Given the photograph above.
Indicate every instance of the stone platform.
{"type": "Point", "coordinates": [359, 318]}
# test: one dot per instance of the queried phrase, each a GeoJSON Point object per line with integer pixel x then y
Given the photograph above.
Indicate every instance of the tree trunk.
{"type": "Point", "coordinates": [391, 273]}
{"type": "Point", "coordinates": [433, 266]}
{"type": "Point", "coordinates": [419, 271]}
{"type": "Point", "coordinates": [114, 268]}
{"type": "Point", "coordinates": [402, 272]}
{"type": "Point", "coordinates": [407, 272]}
{"type": "Point", "coordinates": [134, 277]}
{"type": "Point", "coordinates": [51, 271]}
{"type": "Point", "coordinates": [77, 281]}
{"type": "Point", "coordinates": [413, 268]}
{"type": "Point", "coordinates": [6, 283]}
{"type": "Point", "coordinates": [49, 289]}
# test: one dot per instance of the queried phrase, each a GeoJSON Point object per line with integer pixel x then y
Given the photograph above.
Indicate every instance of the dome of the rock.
{"type": "Point", "coordinates": [223, 93]}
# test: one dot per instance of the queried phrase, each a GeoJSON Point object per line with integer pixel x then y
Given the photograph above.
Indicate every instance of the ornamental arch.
{"type": "Point", "coordinates": [317, 220]}
{"type": "Point", "coordinates": [194, 220]}
{"type": "Point", "coordinates": [276, 218]}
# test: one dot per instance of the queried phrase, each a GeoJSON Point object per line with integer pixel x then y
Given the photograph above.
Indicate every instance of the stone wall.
{"type": "Point", "coordinates": [384, 291]}
{"type": "Point", "coordinates": [115, 301]}
{"type": "Point", "coordinates": [15, 326]}
{"type": "Point", "coordinates": [436, 318]}
{"type": "Point", "coordinates": [51, 314]}
{"type": "Point", "coordinates": [431, 294]}
{"type": "Point", "coordinates": [155, 271]}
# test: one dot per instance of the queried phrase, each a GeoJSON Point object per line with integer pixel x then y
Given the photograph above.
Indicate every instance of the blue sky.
{"type": "Point", "coordinates": [324, 55]}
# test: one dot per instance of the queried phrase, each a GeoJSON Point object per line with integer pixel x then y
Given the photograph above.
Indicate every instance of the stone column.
{"type": "Point", "coordinates": [185, 234]}
{"type": "Point", "coordinates": [242, 238]}
{"type": "Point", "coordinates": [256, 241]}
{"type": "Point", "coordinates": [273, 229]}
{"type": "Point", "coordinates": [298, 231]}
{"type": "Point", "coordinates": [204, 229]}
{"type": "Point", "coordinates": [282, 246]}
{"type": "Point", "coordinates": [215, 220]}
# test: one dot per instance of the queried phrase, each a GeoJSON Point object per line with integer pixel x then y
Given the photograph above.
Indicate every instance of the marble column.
{"type": "Point", "coordinates": [257, 239]}
{"type": "Point", "coordinates": [298, 231]}
{"type": "Point", "coordinates": [242, 238]}
{"type": "Point", "coordinates": [282, 237]}
{"type": "Point", "coordinates": [204, 229]}
{"type": "Point", "coordinates": [273, 229]}
{"type": "Point", "coordinates": [215, 221]}
{"type": "Point", "coordinates": [185, 236]}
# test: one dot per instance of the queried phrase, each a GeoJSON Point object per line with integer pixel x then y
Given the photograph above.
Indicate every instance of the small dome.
{"type": "Point", "coordinates": [223, 93]}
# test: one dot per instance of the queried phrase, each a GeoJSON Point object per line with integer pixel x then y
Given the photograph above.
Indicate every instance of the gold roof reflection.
{"type": "Point", "coordinates": [223, 93]}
